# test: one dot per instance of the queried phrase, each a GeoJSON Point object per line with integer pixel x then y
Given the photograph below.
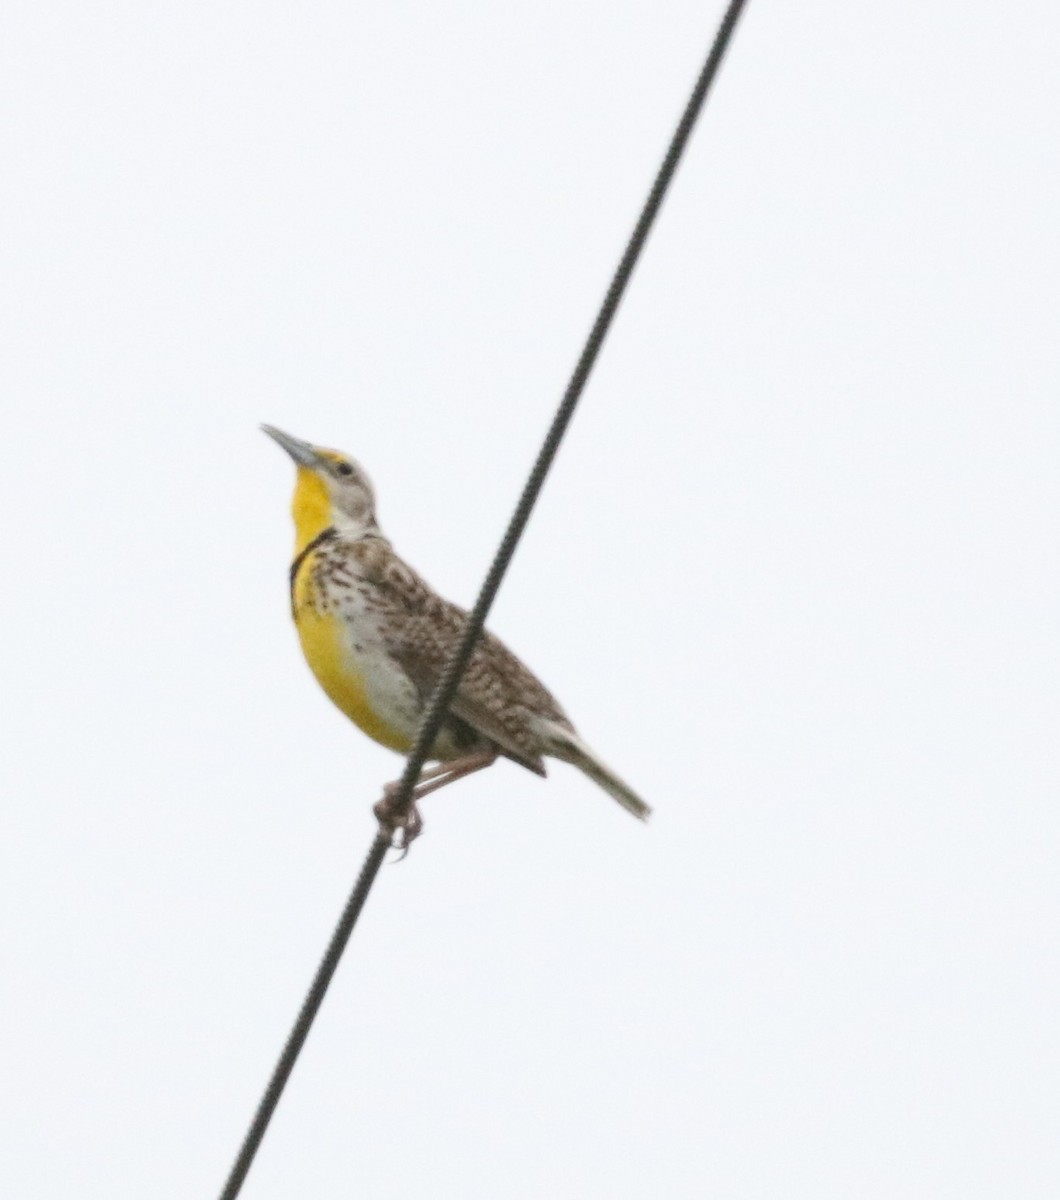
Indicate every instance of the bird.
{"type": "Point", "coordinates": [377, 637]}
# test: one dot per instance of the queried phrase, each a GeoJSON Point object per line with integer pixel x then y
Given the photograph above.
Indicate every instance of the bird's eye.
{"type": "Point", "coordinates": [344, 468]}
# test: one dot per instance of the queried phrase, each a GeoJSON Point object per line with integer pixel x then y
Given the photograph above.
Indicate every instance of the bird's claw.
{"type": "Point", "coordinates": [402, 828]}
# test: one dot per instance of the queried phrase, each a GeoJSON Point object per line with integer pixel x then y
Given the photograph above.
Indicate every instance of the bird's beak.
{"type": "Point", "coordinates": [302, 452]}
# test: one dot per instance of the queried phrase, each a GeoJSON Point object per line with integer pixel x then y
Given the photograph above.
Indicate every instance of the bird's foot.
{"type": "Point", "coordinates": [402, 828]}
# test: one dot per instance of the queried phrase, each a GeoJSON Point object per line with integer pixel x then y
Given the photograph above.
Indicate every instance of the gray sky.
{"type": "Point", "coordinates": [794, 575]}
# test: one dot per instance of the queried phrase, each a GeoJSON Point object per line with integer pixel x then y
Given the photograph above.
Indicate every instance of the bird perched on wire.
{"type": "Point", "coordinates": [377, 638]}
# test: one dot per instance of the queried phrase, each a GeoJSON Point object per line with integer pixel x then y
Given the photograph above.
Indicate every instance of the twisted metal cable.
{"type": "Point", "coordinates": [443, 694]}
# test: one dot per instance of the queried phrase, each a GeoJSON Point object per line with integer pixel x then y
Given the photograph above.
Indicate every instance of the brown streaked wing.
{"type": "Point", "coordinates": [497, 693]}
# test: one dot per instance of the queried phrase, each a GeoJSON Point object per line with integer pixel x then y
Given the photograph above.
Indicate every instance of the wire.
{"type": "Point", "coordinates": [454, 669]}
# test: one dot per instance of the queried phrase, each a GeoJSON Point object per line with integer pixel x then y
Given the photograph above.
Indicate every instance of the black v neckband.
{"type": "Point", "coordinates": [324, 536]}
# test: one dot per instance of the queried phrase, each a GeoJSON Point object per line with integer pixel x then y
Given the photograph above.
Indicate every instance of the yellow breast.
{"type": "Point", "coordinates": [326, 645]}
{"type": "Point", "coordinates": [325, 635]}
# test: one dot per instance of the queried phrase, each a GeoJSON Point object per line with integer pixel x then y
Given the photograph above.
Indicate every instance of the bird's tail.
{"type": "Point", "coordinates": [564, 744]}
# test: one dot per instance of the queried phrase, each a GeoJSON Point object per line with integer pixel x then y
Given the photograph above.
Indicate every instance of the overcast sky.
{"type": "Point", "coordinates": [794, 575]}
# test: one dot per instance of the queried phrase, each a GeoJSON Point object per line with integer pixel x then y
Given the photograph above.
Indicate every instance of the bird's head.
{"type": "Point", "coordinates": [331, 490]}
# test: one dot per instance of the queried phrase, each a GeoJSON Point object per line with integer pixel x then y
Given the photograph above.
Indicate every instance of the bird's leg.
{"type": "Point", "coordinates": [410, 822]}
{"type": "Point", "coordinates": [429, 773]}
{"type": "Point", "coordinates": [384, 809]}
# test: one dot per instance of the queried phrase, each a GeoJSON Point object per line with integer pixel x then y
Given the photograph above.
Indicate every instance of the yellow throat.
{"type": "Point", "coordinates": [310, 507]}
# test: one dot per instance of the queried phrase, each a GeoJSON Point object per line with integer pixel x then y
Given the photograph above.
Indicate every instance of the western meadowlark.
{"type": "Point", "coordinates": [377, 638]}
